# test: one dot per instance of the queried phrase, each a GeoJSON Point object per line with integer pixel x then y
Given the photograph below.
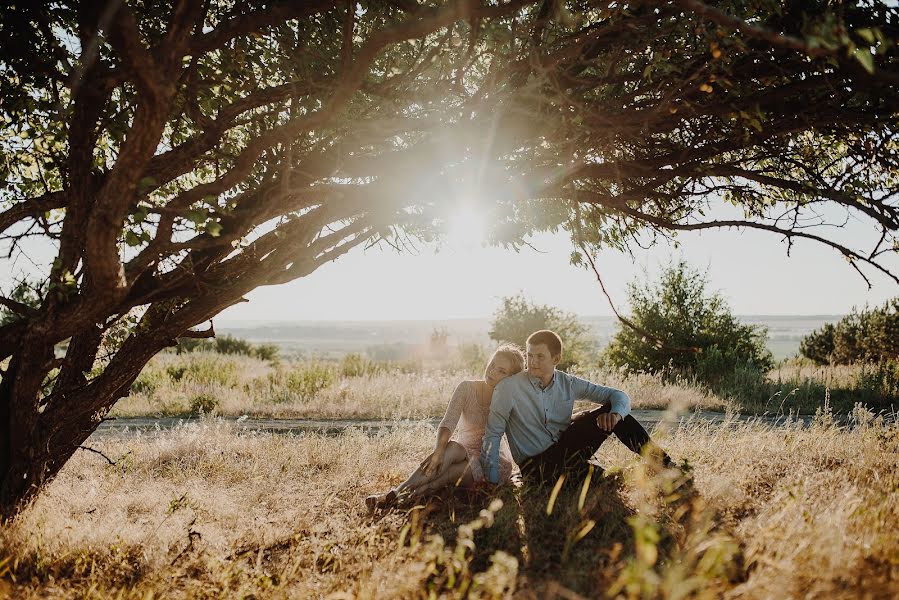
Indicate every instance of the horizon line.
{"type": "Point", "coordinates": [487, 318]}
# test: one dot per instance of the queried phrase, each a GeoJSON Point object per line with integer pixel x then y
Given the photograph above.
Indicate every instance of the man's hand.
{"type": "Point", "coordinates": [607, 421]}
{"type": "Point", "coordinates": [431, 465]}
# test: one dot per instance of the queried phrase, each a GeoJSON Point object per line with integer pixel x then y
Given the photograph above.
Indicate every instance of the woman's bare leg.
{"type": "Point", "coordinates": [454, 454]}
{"type": "Point", "coordinates": [455, 475]}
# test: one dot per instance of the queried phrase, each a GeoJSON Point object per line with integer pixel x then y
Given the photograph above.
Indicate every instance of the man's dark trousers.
{"type": "Point", "coordinates": [580, 441]}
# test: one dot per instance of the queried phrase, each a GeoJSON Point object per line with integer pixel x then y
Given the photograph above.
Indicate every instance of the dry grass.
{"type": "Point", "coordinates": [175, 385]}
{"type": "Point", "coordinates": [201, 511]}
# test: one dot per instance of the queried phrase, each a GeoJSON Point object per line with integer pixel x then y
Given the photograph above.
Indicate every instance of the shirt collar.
{"type": "Point", "coordinates": [535, 381]}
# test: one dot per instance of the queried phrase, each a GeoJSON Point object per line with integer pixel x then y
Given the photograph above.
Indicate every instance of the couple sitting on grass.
{"type": "Point", "coordinates": [533, 407]}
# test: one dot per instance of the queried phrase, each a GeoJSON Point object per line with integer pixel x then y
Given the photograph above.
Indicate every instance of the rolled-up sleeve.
{"type": "Point", "coordinates": [621, 402]}
{"type": "Point", "coordinates": [500, 408]}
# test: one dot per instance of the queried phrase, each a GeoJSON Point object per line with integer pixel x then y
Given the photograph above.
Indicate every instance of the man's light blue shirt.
{"type": "Point", "coordinates": [533, 418]}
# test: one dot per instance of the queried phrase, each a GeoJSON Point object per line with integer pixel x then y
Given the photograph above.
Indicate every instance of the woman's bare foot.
{"type": "Point", "coordinates": [377, 501]}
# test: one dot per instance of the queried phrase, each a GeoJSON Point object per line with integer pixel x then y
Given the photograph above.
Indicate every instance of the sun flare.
{"type": "Point", "coordinates": [465, 229]}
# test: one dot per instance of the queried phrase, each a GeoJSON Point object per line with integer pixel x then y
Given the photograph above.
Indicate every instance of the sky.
{"type": "Point", "coordinates": [466, 280]}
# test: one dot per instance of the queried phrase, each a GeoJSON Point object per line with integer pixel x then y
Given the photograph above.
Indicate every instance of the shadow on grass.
{"type": "Point", "coordinates": [580, 536]}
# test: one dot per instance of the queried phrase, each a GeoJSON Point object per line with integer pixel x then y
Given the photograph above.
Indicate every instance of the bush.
{"type": "Point", "coordinates": [228, 344]}
{"type": "Point", "coordinates": [309, 379]}
{"type": "Point", "coordinates": [518, 318]}
{"type": "Point", "coordinates": [204, 404]}
{"type": "Point", "coordinates": [356, 365]}
{"type": "Point", "coordinates": [679, 314]}
{"type": "Point", "coordinates": [266, 352]}
{"type": "Point", "coordinates": [205, 369]}
{"type": "Point", "coordinates": [149, 380]}
{"type": "Point", "coordinates": [870, 335]}
{"type": "Point", "coordinates": [186, 345]}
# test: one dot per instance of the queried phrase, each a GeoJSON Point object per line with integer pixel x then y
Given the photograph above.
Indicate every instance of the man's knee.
{"type": "Point", "coordinates": [590, 414]}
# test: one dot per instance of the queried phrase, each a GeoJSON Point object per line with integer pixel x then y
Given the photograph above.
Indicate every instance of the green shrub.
{"type": "Point", "coordinates": [869, 335]}
{"type": "Point", "coordinates": [880, 379]}
{"type": "Point", "coordinates": [875, 386]}
{"type": "Point", "coordinates": [309, 379]}
{"type": "Point", "coordinates": [266, 352]}
{"type": "Point", "coordinates": [204, 404]}
{"type": "Point", "coordinates": [228, 344]}
{"type": "Point", "coordinates": [356, 365]}
{"type": "Point", "coordinates": [678, 314]}
{"type": "Point", "coordinates": [518, 318]}
{"type": "Point", "coordinates": [186, 345]}
{"type": "Point", "coordinates": [205, 369]}
{"type": "Point", "coordinates": [149, 380]}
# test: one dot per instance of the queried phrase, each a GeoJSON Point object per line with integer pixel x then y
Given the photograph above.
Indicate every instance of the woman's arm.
{"type": "Point", "coordinates": [450, 419]}
{"type": "Point", "coordinates": [432, 463]}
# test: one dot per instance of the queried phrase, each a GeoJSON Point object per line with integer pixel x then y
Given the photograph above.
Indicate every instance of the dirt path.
{"type": "Point", "coordinates": [124, 427]}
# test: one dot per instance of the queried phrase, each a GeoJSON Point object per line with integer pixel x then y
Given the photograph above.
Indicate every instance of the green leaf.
{"type": "Point", "coordinates": [140, 214]}
{"type": "Point", "coordinates": [132, 239]}
{"type": "Point", "coordinates": [214, 228]}
{"type": "Point", "coordinates": [146, 184]}
{"type": "Point", "coordinates": [867, 34]}
{"type": "Point", "coordinates": [864, 56]}
{"type": "Point", "coordinates": [197, 216]}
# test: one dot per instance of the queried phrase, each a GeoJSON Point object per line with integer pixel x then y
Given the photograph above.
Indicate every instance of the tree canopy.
{"type": "Point", "coordinates": [174, 156]}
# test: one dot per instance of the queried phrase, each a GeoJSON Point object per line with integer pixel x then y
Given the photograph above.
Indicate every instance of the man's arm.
{"type": "Point", "coordinates": [500, 408]}
{"type": "Point", "coordinates": [621, 403]}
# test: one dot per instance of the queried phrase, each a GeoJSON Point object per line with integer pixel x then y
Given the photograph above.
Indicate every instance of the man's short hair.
{"type": "Point", "coordinates": [549, 338]}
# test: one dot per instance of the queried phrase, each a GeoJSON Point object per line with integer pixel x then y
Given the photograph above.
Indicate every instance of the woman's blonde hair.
{"type": "Point", "coordinates": [511, 352]}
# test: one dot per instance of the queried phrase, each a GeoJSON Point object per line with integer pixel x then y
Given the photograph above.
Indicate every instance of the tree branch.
{"type": "Point", "coordinates": [779, 40]}
{"type": "Point", "coordinates": [199, 335]}
{"type": "Point", "coordinates": [18, 308]}
{"type": "Point", "coordinates": [851, 255]}
{"type": "Point", "coordinates": [31, 208]}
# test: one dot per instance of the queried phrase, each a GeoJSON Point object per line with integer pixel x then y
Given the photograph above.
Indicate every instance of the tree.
{"type": "Point", "coordinates": [689, 330]}
{"type": "Point", "coordinates": [871, 334]}
{"type": "Point", "coordinates": [175, 156]}
{"type": "Point", "coordinates": [517, 318]}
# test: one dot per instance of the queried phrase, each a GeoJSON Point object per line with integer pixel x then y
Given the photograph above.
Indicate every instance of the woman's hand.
{"type": "Point", "coordinates": [431, 465]}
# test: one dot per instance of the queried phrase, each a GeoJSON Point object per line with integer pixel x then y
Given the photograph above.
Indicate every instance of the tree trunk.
{"type": "Point", "coordinates": [39, 434]}
{"type": "Point", "coordinates": [22, 461]}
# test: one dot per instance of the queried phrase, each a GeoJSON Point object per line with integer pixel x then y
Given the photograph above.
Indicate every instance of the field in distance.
{"type": "Point", "coordinates": [393, 339]}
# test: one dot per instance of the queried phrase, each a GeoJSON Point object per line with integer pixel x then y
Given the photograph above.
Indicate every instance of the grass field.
{"type": "Point", "coordinates": [233, 385]}
{"type": "Point", "coordinates": [202, 511]}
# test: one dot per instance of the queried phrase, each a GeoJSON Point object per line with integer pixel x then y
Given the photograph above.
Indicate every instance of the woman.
{"type": "Point", "coordinates": [458, 461]}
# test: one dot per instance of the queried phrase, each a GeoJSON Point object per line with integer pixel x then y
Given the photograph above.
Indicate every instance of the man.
{"type": "Point", "coordinates": [534, 410]}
